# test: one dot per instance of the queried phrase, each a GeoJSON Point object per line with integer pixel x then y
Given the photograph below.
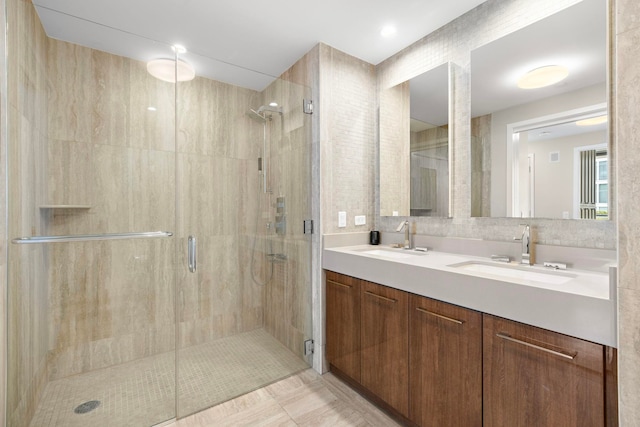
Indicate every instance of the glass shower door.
{"type": "Point", "coordinates": [243, 173]}
{"type": "Point", "coordinates": [91, 157]}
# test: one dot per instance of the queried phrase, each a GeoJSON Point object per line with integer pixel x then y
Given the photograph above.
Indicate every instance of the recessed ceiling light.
{"type": "Point", "coordinates": [592, 121]}
{"type": "Point", "coordinates": [273, 104]}
{"type": "Point", "coordinates": [388, 31]}
{"type": "Point", "coordinates": [543, 76]}
{"type": "Point", "coordinates": [166, 69]}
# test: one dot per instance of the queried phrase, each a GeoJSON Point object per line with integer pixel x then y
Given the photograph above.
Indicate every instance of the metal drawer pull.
{"type": "Point", "coordinates": [339, 284]}
{"type": "Point", "coordinates": [440, 316]}
{"type": "Point", "coordinates": [380, 296]}
{"type": "Point", "coordinates": [566, 355]}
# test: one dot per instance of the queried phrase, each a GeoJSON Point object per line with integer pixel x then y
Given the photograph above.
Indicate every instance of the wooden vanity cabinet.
{"type": "Point", "coordinates": [343, 323]}
{"type": "Point", "coordinates": [432, 363]}
{"type": "Point", "coordinates": [385, 344]}
{"type": "Point", "coordinates": [445, 364]}
{"type": "Point", "coordinates": [534, 377]}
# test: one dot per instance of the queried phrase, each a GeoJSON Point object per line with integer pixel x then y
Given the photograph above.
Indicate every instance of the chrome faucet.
{"type": "Point", "coordinates": [526, 245]}
{"type": "Point", "coordinates": [407, 236]}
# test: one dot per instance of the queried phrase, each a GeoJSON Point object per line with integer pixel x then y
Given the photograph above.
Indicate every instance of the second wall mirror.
{"type": "Point", "coordinates": [539, 148]}
{"type": "Point", "coordinates": [414, 146]}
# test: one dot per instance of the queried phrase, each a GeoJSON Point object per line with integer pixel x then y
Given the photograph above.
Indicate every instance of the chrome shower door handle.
{"type": "Point", "coordinates": [192, 254]}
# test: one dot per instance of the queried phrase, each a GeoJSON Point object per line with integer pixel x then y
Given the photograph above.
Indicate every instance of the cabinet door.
{"type": "Point", "coordinates": [534, 377]}
{"type": "Point", "coordinates": [445, 364]}
{"type": "Point", "coordinates": [343, 323]}
{"type": "Point", "coordinates": [385, 344]}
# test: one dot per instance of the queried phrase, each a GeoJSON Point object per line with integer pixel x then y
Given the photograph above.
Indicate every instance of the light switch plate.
{"type": "Point", "coordinates": [342, 219]}
{"type": "Point", "coordinates": [395, 213]}
{"type": "Point", "coordinates": [360, 220]}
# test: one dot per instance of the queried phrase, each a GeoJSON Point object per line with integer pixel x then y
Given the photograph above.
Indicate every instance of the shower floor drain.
{"type": "Point", "coordinates": [87, 407]}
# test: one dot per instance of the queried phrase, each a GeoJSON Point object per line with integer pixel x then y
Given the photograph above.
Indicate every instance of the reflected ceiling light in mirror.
{"type": "Point", "coordinates": [543, 77]}
{"type": "Point", "coordinates": [166, 70]}
{"type": "Point", "coordinates": [388, 31]}
{"type": "Point", "coordinates": [178, 48]}
{"type": "Point", "coordinates": [593, 121]}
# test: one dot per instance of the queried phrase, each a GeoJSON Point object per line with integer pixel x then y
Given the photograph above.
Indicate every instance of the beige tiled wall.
{"type": "Point", "coordinates": [627, 96]}
{"type": "Point", "coordinates": [347, 139]}
{"type": "Point", "coordinates": [26, 150]}
{"type": "Point", "coordinates": [109, 302]}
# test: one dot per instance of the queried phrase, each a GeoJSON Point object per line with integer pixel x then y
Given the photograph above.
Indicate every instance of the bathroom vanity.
{"type": "Point", "coordinates": [450, 339]}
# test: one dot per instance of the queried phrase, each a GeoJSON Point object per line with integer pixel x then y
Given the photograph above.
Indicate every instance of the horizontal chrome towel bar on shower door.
{"type": "Point", "coordinates": [91, 237]}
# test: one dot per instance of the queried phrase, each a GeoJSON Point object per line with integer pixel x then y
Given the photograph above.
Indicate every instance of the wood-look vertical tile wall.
{"type": "Point", "coordinates": [26, 152]}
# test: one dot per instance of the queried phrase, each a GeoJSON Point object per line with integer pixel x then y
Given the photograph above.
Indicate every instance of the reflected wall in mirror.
{"type": "Point", "coordinates": [414, 146]}
{"type": "Point", "coordinates": [526, 144]}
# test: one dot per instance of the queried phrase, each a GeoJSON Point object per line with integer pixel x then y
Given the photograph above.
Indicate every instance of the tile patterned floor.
{"type": "Point", "coordinates": [142, 393]}
{"type": "Point", "coordinates": [305, 399]}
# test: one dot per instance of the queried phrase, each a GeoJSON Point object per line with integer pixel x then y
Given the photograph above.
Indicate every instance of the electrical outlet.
{"type": "Point", "coordinates": [360, 220]}
{"type": "Point", "coordinates": [342, 219]}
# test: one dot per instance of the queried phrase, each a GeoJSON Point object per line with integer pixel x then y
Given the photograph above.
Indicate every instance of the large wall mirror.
{"type": "Point", "coordinates": [539, 144]}
{"type": "Point", "coordinates": [414, 146]}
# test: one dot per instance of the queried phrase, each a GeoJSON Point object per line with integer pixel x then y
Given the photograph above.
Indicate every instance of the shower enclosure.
{"type": "Point", "coordinates": [182, 278]}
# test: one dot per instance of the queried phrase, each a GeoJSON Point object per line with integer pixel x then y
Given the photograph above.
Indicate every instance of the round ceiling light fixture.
{"type": "Point", "coordinates": [592, 121]}
{"type": "Point", "coordinates": [543, 77]}
{"type": "Point", "coordinates": [167, 69]}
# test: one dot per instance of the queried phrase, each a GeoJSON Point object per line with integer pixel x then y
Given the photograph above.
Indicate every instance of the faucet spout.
{"type": "Point", "coordinates": [525, 239]}
{"type": "Point", "coordinates": [407, 236]}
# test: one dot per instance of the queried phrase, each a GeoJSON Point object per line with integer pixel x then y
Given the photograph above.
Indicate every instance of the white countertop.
{"type": "Point", "coordinates": [575, 302]}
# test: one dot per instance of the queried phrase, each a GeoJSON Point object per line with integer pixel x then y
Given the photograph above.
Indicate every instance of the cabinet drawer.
{"type": "Point", "coordinates": [343, 323]}
{"type": "Point", "coordinates": [536, 377]}
{"type": "Point", "coordinates": [385, 344]}
{"type": "Point", "coordinates": [445, 364]}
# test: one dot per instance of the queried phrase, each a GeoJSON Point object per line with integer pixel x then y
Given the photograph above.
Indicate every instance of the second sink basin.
{"type": "Point", "coordinates": [515, 272]}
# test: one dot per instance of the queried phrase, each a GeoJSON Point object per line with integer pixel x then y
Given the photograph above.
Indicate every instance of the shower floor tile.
{"type": "Point", "coordinates": [142, 393]}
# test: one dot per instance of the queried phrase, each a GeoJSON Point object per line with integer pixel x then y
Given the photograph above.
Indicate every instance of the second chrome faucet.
{"type": "Point", "coordinates": [525, 239]}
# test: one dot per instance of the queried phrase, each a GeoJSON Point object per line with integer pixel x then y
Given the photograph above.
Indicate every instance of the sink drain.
{"type": "Point", "coordinates": [87, 407]}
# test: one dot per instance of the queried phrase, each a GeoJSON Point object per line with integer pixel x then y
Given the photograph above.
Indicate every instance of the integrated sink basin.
{"type": "Point", "coordinates": [391, 253]}
{"type": "Point", "coordinates": [515, 272]}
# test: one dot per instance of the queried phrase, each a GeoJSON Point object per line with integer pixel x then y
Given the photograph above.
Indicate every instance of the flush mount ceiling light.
{"type": "Point", "coordinates": [273, 104]}
{"type": "Point", "coordinates": [166, 69]}
{"type": "Point", "coordinates": [543, 76]}
{"type": "Point", "coordinates": [592, 121]}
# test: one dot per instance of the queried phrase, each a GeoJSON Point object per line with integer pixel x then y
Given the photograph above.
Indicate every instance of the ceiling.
{"type": "Point", "coordinates": [245, 42]}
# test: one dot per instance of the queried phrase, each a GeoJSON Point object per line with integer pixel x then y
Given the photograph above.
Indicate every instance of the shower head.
{"type": "Point", "coordinates": [257, 115]}
{"type": "Point", "coordinates": [269, 108]}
